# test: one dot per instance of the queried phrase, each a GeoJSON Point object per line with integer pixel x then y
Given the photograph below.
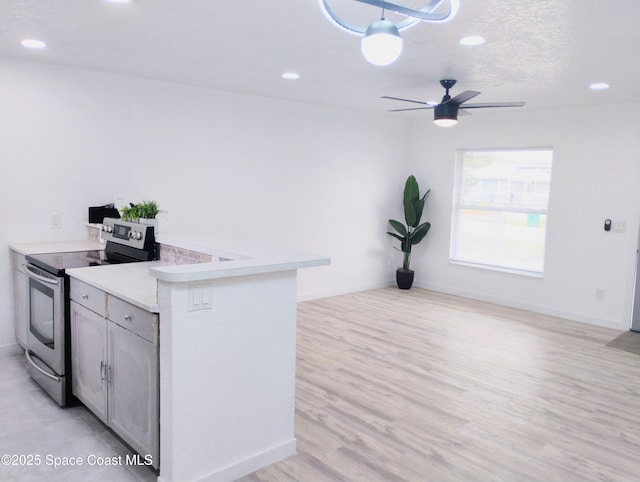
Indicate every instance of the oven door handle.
{"type": "Point", "coordinates": [37, 367]}
{"type": "Point", "coordinates": [31, 273]}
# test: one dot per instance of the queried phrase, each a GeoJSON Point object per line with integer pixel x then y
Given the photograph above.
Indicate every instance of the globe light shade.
{"type": "Point", "coordinates": [382, 43]}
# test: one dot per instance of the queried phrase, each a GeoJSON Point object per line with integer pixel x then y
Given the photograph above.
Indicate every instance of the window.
{"type": "Point", "coordinates": [500, 209]}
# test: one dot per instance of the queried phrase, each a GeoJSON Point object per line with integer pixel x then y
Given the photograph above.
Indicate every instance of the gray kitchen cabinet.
{"type": "Point", "coordinates": [115, 366]}
{"type": "Point", "coordinates": [20, 298]}
{"type": "Point", "coordinates": [134, 399]}
{"type": "Point", "coordinates": [88, 359]}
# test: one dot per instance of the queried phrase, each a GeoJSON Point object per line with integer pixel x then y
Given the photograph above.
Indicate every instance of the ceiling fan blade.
{"type": "Point", "coordinates": [413, 108]}
{"type": "Point", "coordinates": [463, 97]}
{"type": "Point", "coordinates": [492, 104]}
{"type": "Point", "coordinates": [404, 100]}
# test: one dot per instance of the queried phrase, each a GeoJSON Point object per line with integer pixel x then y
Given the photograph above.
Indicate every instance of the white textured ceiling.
{"type": "Point", "coordinates": [544, 52]}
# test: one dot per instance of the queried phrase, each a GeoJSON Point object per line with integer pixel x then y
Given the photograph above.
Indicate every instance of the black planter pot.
{"type": "Point", "coordinates": [404, 278]}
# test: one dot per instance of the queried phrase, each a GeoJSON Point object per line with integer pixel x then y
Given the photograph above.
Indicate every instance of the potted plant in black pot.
{"type": "Point", "coordinates": [412, 233]}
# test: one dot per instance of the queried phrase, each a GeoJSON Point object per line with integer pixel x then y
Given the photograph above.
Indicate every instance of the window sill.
{"type": "Point", "coordinates": [502, 269]}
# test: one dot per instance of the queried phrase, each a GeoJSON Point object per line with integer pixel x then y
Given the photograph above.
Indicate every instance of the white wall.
{"type": "Point", "coordinates": [596, 175]}
{"type": "Point", "coordinates": [310, 178]}
{"type": "Point", "coordinates": [303, 177]}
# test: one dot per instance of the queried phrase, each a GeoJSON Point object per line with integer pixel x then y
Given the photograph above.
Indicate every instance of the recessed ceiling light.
{"type": "Point", "coordinates": [472, 40]}
{"type": "Point", "coordinates": [33, 43]}
{"type": "Point", "coordinates": [291, 76]}
{"type": "Point", "coordinates": [599, 86]}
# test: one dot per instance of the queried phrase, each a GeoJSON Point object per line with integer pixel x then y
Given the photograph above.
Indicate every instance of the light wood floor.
{"type": "Point", "coordinates": [421, 386]}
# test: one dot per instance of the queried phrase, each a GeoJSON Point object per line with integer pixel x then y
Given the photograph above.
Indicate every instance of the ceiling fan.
{"type": "Point", "coordinates": [445, 113]}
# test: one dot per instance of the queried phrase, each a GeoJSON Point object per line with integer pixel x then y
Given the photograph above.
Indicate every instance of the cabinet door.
{"type": "Point", "coordinates": [133, 390]}
{"type": "Point", "coordinates": [88, 359]}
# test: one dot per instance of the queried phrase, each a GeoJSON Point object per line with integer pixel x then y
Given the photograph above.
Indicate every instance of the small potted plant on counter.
{"type": "Point", "coordinates": [412, 233]}
{"type": "Point", "coordinates": [130, 213]}
{"type": "Point", "coordinates": [143, 213]}
{"type": "Point", "coordinates": [147, 210]}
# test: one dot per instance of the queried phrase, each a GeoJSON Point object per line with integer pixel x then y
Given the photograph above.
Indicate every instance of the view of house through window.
{"type": "Point", "coordinates": [500, 209]}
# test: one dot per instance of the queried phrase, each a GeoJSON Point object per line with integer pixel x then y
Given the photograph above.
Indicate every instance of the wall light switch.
{"type": "Point", "coordinates": [619, 227]}
{"type": "Point", "coordinates": [200, 297]}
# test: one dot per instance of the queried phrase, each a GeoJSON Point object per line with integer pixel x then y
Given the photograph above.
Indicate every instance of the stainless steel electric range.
{"type": "Point", "coordinates": [49, 336]}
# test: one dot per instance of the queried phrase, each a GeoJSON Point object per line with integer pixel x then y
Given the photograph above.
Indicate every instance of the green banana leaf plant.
{"type": "Point", "coordinates": [413, 232]}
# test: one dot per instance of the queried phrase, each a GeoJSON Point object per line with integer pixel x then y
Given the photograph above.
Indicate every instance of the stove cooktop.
{"type": "Point", "coordinates": [56, 263]}
{"type": "Point", "coordinates": [126, 242]}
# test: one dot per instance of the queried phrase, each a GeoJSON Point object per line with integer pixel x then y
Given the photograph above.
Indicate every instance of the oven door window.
{"type": "Point", "coordinates": [42, 312]}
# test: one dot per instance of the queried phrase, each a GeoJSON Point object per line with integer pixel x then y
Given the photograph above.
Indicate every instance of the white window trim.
{"type": "Point", "coordinates": [456, 208]}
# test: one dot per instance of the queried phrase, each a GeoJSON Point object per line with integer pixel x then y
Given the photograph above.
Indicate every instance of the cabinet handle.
{"type": "Point", "coordinates": [109, 379]}
{"type": "Point", "coordinates": [102, 367]}
{"type": "Point", "coordinates": [128, 318]}
{"type": "Point", "coordinates": [85, 297]}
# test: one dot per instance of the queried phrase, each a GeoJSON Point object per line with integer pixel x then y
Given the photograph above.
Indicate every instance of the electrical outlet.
{"type": "Point", "coordinates": [599, 294]}
{"type": "Point", "coordinates": [56, 221]}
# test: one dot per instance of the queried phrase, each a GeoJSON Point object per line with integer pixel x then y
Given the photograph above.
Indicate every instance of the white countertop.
{"type": "Point", "coordinates": [244, 259]}
{"type": "Point", "coordinates": [130, 282]}
{"type": "Point", "coordinates": [136, 282]}
{"type": "Point", "coordinates": [56, 247]}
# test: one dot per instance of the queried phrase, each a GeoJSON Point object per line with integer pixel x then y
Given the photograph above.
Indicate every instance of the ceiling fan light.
{"type": "Point", "coordinates": [445, 122]}
{"type": "Point", "coordinates": [382, 43]}
{"type": "Point", "coordinates": [445, 115]}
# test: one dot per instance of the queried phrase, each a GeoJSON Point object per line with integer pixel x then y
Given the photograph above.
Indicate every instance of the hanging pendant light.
{"type": "Point", "coordinates": [382, 43]}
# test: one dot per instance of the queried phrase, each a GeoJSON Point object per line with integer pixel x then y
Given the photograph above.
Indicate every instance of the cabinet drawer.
{"type": "Point", "coordinates": [137, 320]}
{"type": "Point", "coordinates": [88, 296]}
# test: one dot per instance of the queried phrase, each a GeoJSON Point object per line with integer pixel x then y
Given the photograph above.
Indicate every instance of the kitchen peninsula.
{"type": "Point", "coordinates": [227, 340]}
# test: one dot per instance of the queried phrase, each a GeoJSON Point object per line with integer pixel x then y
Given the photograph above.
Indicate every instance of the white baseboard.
{"type": "Point", "coordinates": [12, 349]}
{"type": "Point", "coordinates": [544, 310]}
{"type": "Point", "coordinates": [247, 465]}
{"type": "Point", "coordinates": [344, 291]}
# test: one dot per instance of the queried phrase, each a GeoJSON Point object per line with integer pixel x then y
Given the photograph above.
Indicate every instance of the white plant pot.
{"type": "Point", "coordinates": [150, 222]}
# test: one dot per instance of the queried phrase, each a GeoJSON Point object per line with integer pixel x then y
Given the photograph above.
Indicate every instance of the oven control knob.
{"type": "Point", "coordinates": [138, 235]}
